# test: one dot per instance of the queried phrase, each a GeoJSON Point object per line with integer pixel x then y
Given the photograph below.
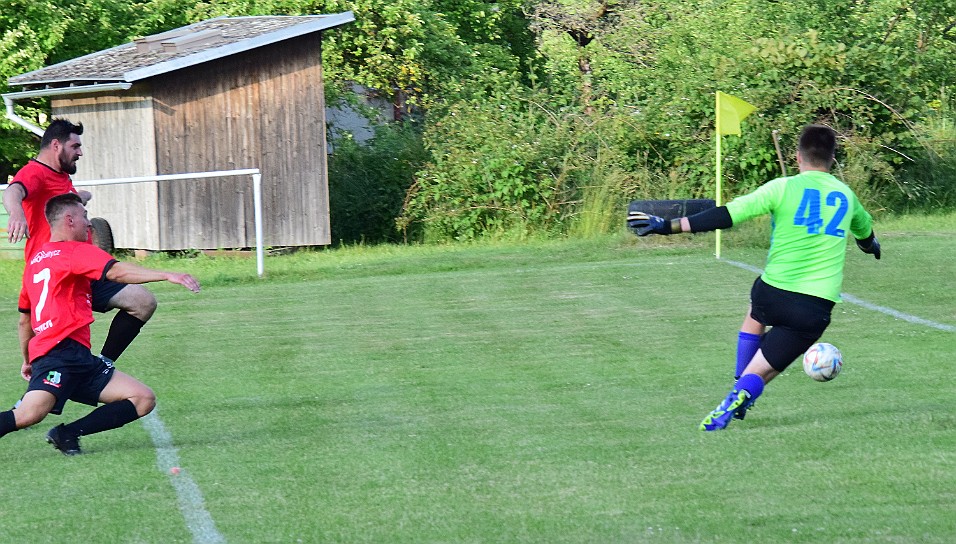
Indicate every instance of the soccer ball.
{"type": "Point", "coordinates": [823, 362]}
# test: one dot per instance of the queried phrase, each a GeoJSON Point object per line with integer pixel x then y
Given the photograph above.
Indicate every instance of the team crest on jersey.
{"type": "Point", "coordinates": [53, 378]}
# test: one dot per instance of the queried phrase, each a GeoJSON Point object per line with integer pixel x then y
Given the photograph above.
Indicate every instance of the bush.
{"type": "Point", "coordinates": [368, 182]}
{"type": "Point", "coordinates": [497, 167]}
{"type": "Point", "coordinates": [933, 171]}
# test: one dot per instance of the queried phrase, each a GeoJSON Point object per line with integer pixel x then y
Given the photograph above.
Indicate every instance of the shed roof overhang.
{"type": "Point", "coordinates": [10, 98]}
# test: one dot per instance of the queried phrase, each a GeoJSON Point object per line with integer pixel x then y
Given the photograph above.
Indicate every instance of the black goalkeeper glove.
{"type": "Point", "coordinates": [643, 224]}
{"type": "Point", "coordinates": [870, 245]}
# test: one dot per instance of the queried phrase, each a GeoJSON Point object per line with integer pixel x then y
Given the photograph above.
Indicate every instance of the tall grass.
{"type": "Point", "coordinates": [935, 170]}
{"type": "Point", "coordinates": [604, 200]}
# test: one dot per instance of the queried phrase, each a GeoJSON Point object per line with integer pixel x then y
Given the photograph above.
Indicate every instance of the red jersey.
{"type": "Point", "coordinates": [41, 183]}
{"type": "Point", "coordinates": [56, 292]}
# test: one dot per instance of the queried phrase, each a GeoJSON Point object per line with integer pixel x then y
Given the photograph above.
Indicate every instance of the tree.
{"type": "Point", "coordinates": [581, 21]}
{"type": "Point", "coordinates": [624, 83]}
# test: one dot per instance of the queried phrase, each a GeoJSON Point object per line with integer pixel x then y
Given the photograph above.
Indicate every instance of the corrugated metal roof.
{"type": "Point", "coordinates": [179, 48]}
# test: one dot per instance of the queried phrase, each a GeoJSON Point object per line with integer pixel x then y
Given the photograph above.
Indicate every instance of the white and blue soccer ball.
{"type": "Point", "coordinates": [823, 362]}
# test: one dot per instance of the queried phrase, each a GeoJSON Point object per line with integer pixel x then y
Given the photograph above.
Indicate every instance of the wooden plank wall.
{"type": "Point", "coordinates": [260, 109]}
{"type": "Point", "coordinates": [118, 142]}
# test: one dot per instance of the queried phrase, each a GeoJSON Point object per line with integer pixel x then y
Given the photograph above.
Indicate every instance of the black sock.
{"type": "Point", "coordinates": [123, 329]}
{"type": "Point", "coordinates": [106, 417]}
{"type": "Point", "coordinates": [8, 422]}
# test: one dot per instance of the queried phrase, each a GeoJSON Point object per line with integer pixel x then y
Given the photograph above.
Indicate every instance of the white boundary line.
{"type": "Point", "coordinates": [868, 305]}
{"type": "Point", "coordinates": [191, 503]}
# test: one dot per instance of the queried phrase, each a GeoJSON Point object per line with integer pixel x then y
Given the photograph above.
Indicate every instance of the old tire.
{"type": "Point", "coordinates": [102, 234]}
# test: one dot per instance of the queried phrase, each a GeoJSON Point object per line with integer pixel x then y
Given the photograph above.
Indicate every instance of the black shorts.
{"type": "Point", "coordinates": [797, 322]}
{"type": "Point", "coordinates": [70, 372]}
{"type": "Point", "coordinates": [103, 291]}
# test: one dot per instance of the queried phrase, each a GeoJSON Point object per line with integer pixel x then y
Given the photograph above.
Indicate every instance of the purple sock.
{"type": "Point", "coordinates": [752, 383]}
{"type": "Point", "coordinates": [747, 346]}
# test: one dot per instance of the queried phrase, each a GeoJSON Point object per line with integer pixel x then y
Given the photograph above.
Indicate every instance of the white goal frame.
{"type": "Point", "coordinates": [256, 196]}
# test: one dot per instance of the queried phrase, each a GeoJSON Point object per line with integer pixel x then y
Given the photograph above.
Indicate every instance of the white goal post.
{"type": "Point", "coordinates": [256, 195]}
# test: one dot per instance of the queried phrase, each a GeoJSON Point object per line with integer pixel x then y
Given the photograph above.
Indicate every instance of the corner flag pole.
{"type": "Point", "coordinates": [719, 182]}
{"type": "Point", "coordinates": [729, 111]}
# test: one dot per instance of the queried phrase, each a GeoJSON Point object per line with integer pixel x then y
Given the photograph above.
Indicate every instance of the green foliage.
{"type": "Point", "coordinates": [417, 49]}
{"type": "Point", "coordinates": [604, 197]}
{"type": "Point", "coordinates": [515, 167]}
{"type": "Point", "coordinates": [38, 33]}
{"type": "Point", "coordinates": [651, 70]}
{"type": "Point", "coordinates": [497, 167]}
{"type": "Point", "coordinates": [932, 175]}
{"type": "Point", "coordinates": [368, 182]}
{"type": "Point", "coordinates": [422, 50]}
{"type": "Point", "coordinates": [538, 114]}
{"type": "Point", "coordinates": [93, 25]}
{"type": "Point", "coordinates": [29, 31]}
{"type": "Point", "coordinates": [155, 16]}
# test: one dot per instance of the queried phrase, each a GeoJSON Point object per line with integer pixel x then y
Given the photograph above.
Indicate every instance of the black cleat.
{"type": "Point", "coordinates": [742, 411]}
{"type": "Point", "coordinates": [67, 443]}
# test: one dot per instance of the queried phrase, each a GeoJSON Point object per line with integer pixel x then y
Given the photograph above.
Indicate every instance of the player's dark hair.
{"type": "Point", "coordinates": [818, 145]}
{"type": "Point", "coordinates": [56, 206]}
{"type": "Point", "coordinates": [60, 130]}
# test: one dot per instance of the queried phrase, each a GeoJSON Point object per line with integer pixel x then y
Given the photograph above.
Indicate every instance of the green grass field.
{"type": "Point", "coordinates": [544, 392]}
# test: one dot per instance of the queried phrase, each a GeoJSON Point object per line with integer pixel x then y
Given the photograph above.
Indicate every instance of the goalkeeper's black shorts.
{"type": "Point", "coordinates": [797, 321]}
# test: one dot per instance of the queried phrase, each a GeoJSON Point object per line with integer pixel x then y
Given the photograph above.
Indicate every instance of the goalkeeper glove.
{"type": "Point", "coordinates": [643, 224]}
{"type": "Point", "coordinates": [870, 245]}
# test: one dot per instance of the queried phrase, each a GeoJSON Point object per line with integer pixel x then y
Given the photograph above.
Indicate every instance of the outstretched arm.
{"type": "Point", "coordinates": [124, 272]}
{"type": "Point", "coordinates": [707, 220]}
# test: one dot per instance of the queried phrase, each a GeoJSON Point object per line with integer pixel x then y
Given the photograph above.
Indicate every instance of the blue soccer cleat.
{"type": "Point", "coordinates": [742, 411]}
{"type": "Point", "coordinates": [721, 416]}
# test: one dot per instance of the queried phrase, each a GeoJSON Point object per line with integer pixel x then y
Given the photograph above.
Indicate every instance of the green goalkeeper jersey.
{"type": "Point", "coordinates": [812, 214]}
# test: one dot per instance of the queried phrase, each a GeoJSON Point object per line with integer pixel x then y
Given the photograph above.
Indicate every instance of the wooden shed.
{"type": "Point", "coordinates": [223, 94]}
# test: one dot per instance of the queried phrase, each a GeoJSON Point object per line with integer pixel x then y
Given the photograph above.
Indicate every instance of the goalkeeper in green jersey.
{"type": "Point", "coordinates": [813, 213]}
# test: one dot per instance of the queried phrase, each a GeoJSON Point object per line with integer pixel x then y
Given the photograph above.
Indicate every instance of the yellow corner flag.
{"type": "Point", "coordinates": [730, 112]}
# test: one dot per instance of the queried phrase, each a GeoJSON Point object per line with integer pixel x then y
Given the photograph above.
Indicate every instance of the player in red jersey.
{"type": "Point", "coordinates": [56, 312]}
{"type": "Point", "coordinates": [45, 177]}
